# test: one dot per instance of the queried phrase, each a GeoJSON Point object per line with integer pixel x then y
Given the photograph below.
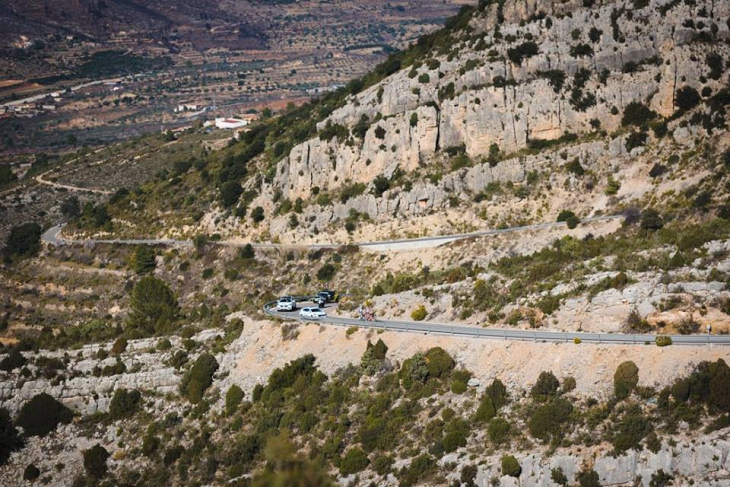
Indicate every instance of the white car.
{"type": "Point", "coordinates": [312, 313]}
{"type": "Point", "coordinates": [286, 303]}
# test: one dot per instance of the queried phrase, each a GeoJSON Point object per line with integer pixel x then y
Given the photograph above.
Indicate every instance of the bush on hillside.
{"type": "Point", "coordinates": [419, 314]}
{"type": "Point", "coordinates": [247, 252]}
{"type": "Point", "coordinates": [326, 272]}
{"type": "Point", "coordinates": [510, 466]}
{"type": "Point", "coordinates": [486, 410]}
{"type": "Point", "coordinates": [124, 403]}
{"type": "Point", "coordinates": [23, 241]}
{"type": "Point", "coordinates": [651, 220]}
{"type": "Point", "coordinates": [439, 363]}
{"type": "Point", "coordinates": [143, 260]}
{"type": "Point", "coordinates": [13, 360]}
{"type": "Point", "coordinates": [546, 422]}
{"type": "Point", "coordinates": [625, 379]}
{"type": "Point", "coordinates": [523, 51]}
{"type": "Point", "coordinates": [42, 414]}
{"type": "Point", "coordinates": [198, 378]}
{"type": "Point", "coordinates": [629, 432]}
{"type": "Point", "coordinates": [687, 98]}
{"type": "Point", "coordinates": [234, 396]}
{"type": "Point", "coordinates": [638, 114]}
{"type": "Point", "coordinates": [547, 385]}
{"type": "Point", "coordinates": [354, 461]}
{"type": "Point", "coordinates": [498, 430]}
{"type": "Point", "coordinates": [230, 193]}
{"type": "Point", "coordinates": [588, 478]}
{"type": "Point", "coordinates": [10, 439]}
{"type": "Point", "coordinates": [31, 473]}
{"type": "Point", "coordinates": [95, 461]}
{"type": "Point", "coordinates": [497, 392]}
{"type": "Point", "coordinates": [154, 305]}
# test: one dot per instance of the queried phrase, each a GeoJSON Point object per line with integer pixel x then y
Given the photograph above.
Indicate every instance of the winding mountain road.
{"type": "Point", "coordinates": [52, 236]}
{"type": "Point", "coordinates": [427, 328]}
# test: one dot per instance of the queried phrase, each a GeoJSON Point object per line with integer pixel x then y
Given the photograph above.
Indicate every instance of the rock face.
{"type": "Point", "coordinates": [707, 458]}
{"type": "Point", "coordinates": [88, 394]}
{"type": "Point", "coordinates": [628, 54]}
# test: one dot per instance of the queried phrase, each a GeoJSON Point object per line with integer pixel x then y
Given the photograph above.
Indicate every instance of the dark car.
{"type": "Point", "coordinates": [327, 294]}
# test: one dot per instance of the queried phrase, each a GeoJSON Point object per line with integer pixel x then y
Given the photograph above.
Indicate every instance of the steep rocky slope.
{"type": "Point", "coordinates": [477, 95]}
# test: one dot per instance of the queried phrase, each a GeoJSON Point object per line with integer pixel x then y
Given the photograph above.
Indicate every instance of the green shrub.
{"type": "Point", "coordinates": [247, 252]}
{"type": "Point", "coordinates": [510, 466]}
{"type": "Point", "coordinates": [580, 50]}
{"type": "Point", "coordinates": [372, 358]}
{"type": "Point", "coordinates": [523, 51]}
{"type": "Point", "coordinates": [173, 454]}
{"type": "Point", "coordinates": [612, 186]}
{"type": "Point", "coordinates": [625, 379]}
{"type": "Point", "coordinates": [14, 360]}
{"type": "Point", "coordinates": [547, 421]}
{"type": "Point", "coordinates": [420, 468]}
{"type": "Point", "coordinates": [95, 461]}
{"type": "Point", "coordinates": [629, 432]}
{"type": "Point", "coordinates": [10, 439]}
{"type": "Point", "coordinates": [660, 478]}
{"type": "Point", "coordinates": [439, 363]}
{"type": "Point", "coordinates": [455, 435]}
{"type": "Point", "coordinates": [497, 392]}
{"type": "Point", "coordinates": [419, 314]}
{"type": "Point", "coordinates": [547, 385]}
{"type": "Point", "coordinates": [687, 98]}
{"type": "Point", "coordinates": [230, 193]}
{"type": "Point", "coordinates": [153, 305]}
{"type": "Point", "coordinates": [381, 184]}
{"type": "Point", "coordinates": [7, 176]}
{"type": "Point", "coordinates": [486, 410]}
{"type": "Point", "coordinates": [257, 214]}
{"type": "Point", "coordinates": [558, 476]}
{"type": "Point", "coordinates": [638, 114]}
{"type": "Point", "coordinates": [663, 341]}
{"type": "Point", "coordinates": [143, 259]}
{"type": "Point", "coordinates": [150, 442]}
{"type": "Point", "coordinates": [555, 77]}
{"type": "Point", "coordinates": [651, 220]}
{"type": "Point", "coordinates": [565, 215]}
{"type": "Point", "coordinates": [23, 241]}
{"type": "Point", "coordinates": [354, 461]}
{"type": "Point", "coordinates": [382, 464]}
{"type": "Point", "coordinates": [326, 272]}
{"type": "Point", "coordinates": [124, 403]}
{"type": "Point", "coordinates": [234, 396]}
{"type": "Point", "coordinates": [198, 378]}
{"type": "Point", "coordinates": [498, 430]}
{"type": "Point", "coordinates": [588, 478]}
{"type": "Point", "coordinates": [31, 473]}
{"type": "Point", "coordinates": [42, 414]}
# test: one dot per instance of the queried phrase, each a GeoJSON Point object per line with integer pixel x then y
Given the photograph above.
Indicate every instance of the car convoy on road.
{"type": "Point", "coordinates": [289, 303]}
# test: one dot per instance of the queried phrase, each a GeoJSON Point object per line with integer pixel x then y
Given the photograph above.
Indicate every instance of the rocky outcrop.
{"type": "Point", "coordinates": [707, 458]}
{"type": "Point", "coordinates": [637, 55]}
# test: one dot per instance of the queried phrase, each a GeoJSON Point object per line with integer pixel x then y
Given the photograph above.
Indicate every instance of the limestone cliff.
{"type": "Point", "coordinates": [548, 69]}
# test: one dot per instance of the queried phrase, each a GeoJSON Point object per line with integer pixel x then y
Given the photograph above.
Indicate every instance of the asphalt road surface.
{"type": "Point", "coordinates": [426, 328]}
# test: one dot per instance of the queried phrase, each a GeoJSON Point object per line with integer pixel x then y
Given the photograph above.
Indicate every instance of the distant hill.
{"type": "Point", "coordinates": [101, 20]}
